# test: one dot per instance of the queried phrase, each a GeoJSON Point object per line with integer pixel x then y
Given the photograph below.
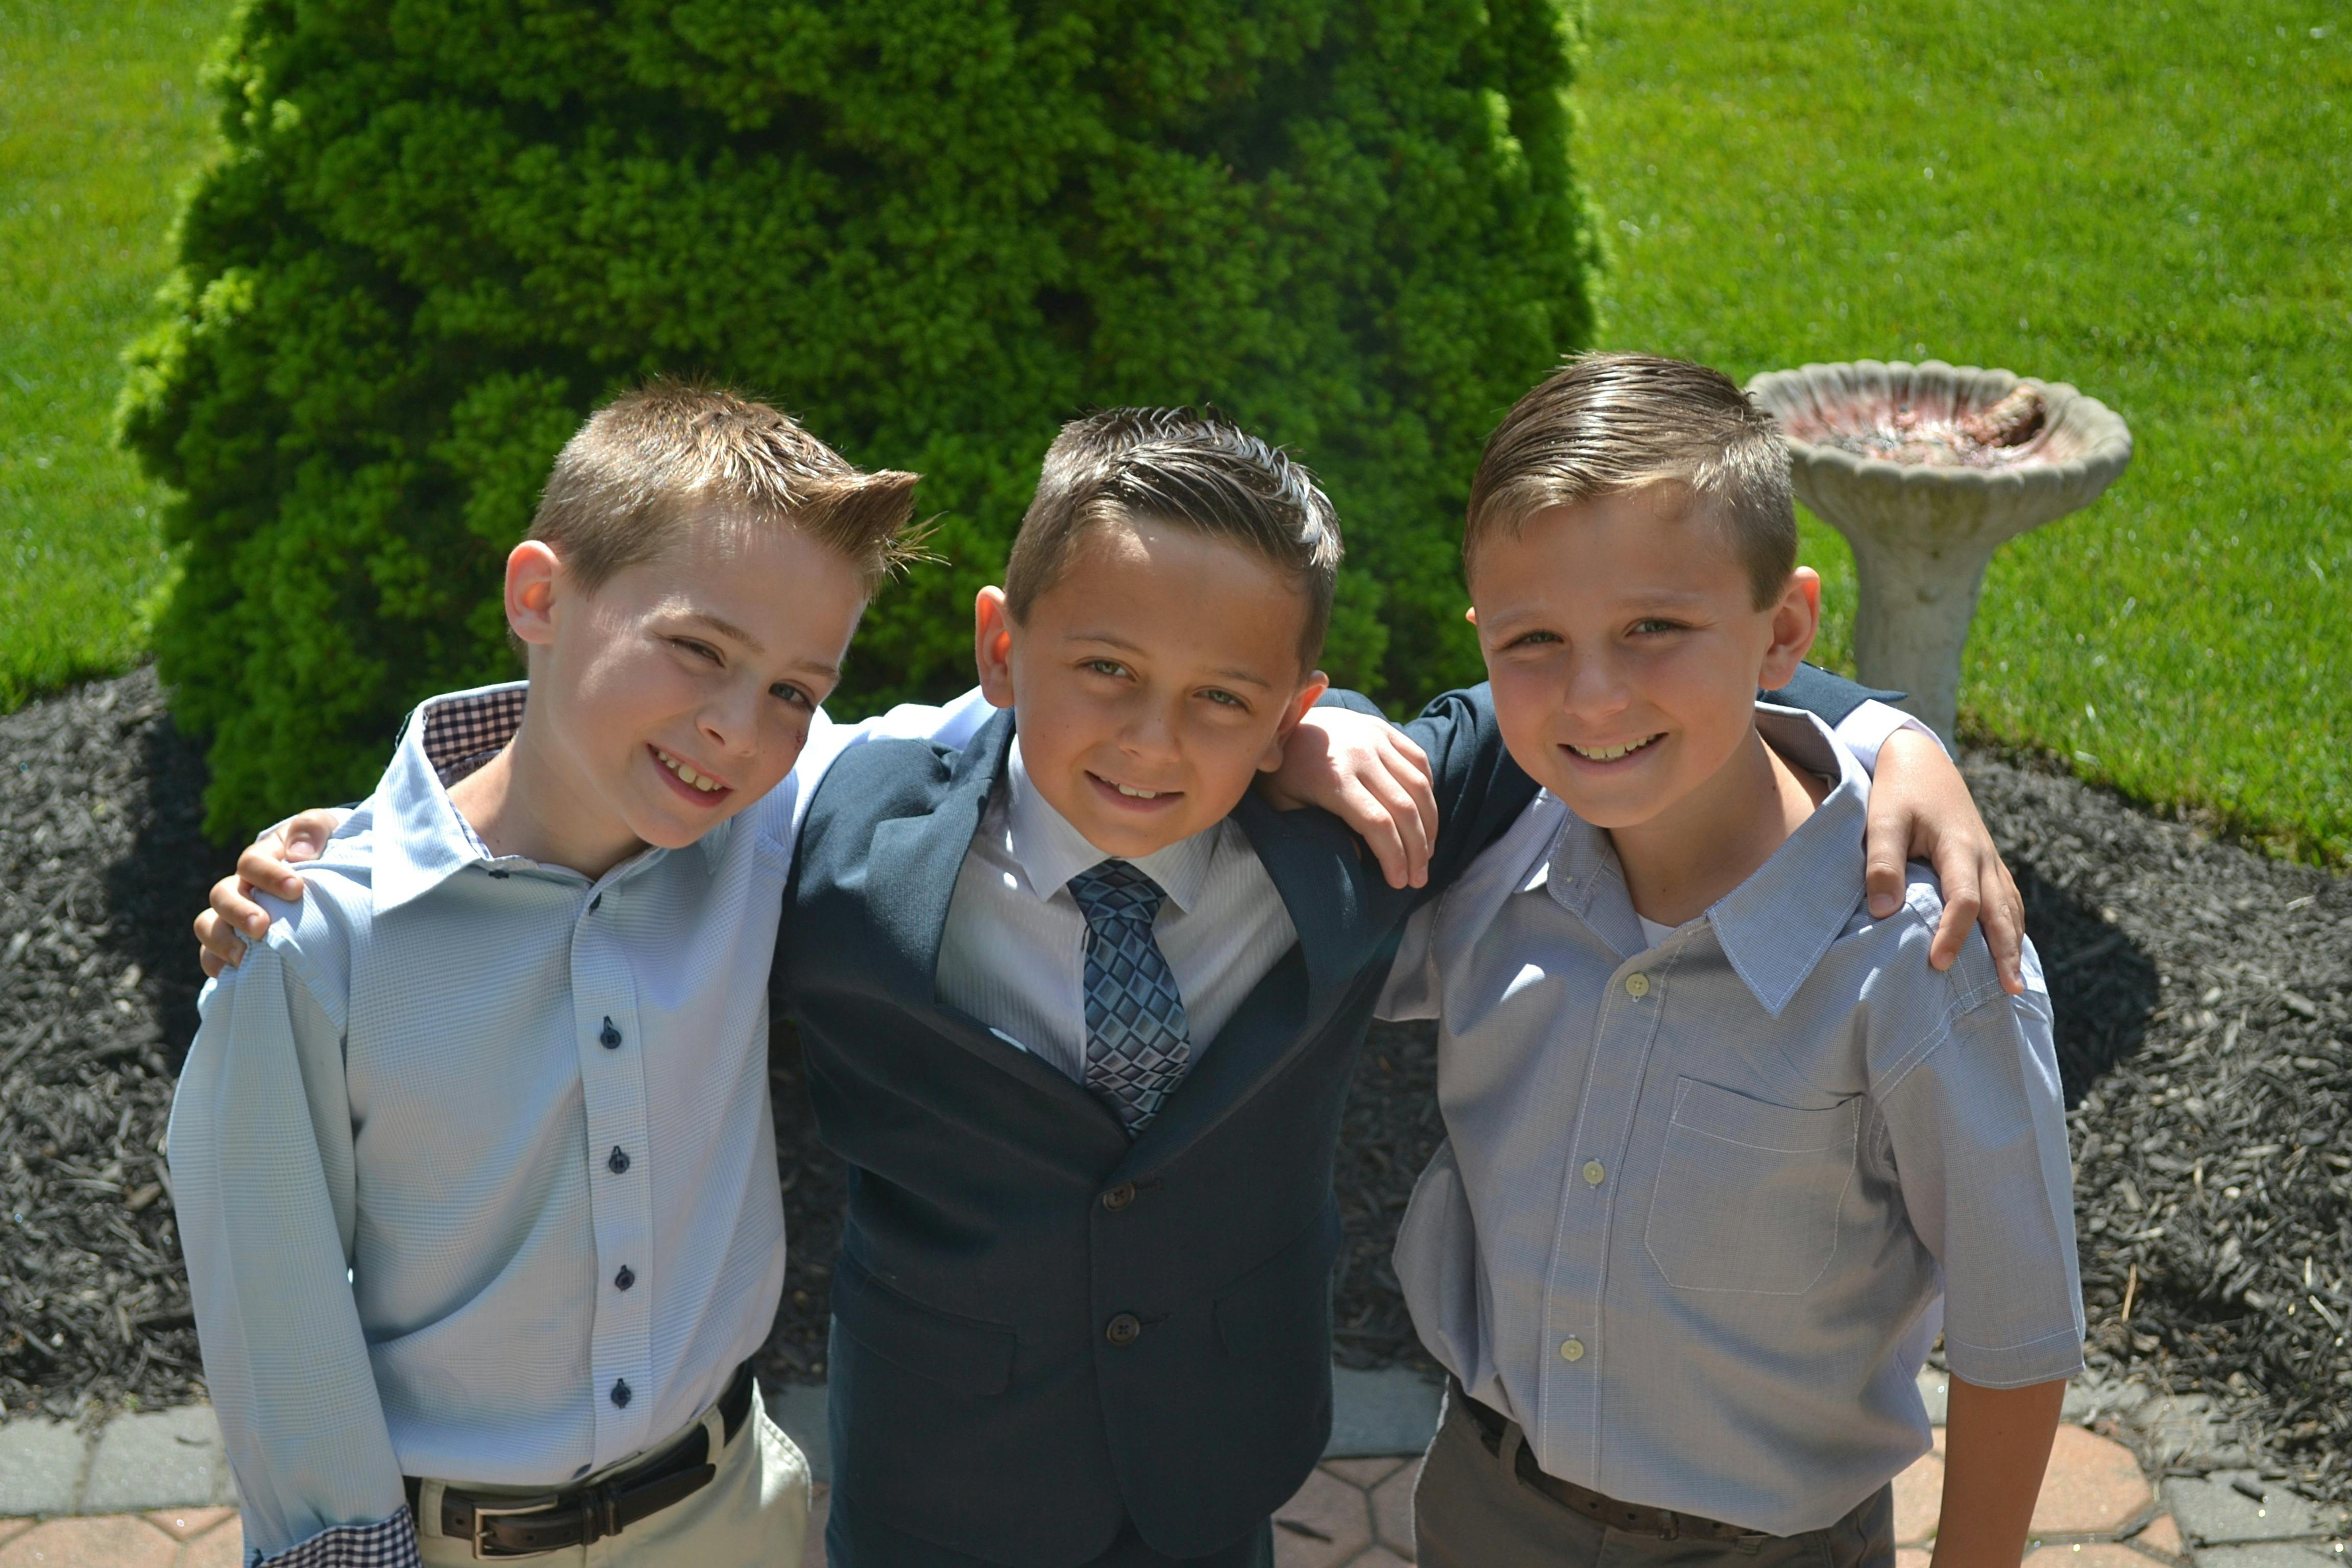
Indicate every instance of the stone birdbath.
{"type": "Point", "coordinates": [1927, 470]}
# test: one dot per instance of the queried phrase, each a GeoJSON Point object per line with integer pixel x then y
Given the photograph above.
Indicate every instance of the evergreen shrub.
{"type": "Point", "coordinates": [443, 230]}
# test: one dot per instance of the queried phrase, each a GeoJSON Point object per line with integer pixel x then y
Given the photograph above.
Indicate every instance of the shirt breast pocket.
{"type": "Point", "coordinates": [1749, 1193]}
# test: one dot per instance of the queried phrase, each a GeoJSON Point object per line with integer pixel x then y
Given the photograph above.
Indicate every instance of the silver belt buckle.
{"type": "Point", "coordinates": [483, 1513]}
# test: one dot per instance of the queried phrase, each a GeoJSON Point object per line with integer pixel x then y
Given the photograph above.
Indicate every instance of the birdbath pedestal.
{"type": "Point", "coordinates": [1927, 470]}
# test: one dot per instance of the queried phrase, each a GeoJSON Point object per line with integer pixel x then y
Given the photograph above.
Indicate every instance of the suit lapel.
{"type": "Point", "coordinates": [912, 864]}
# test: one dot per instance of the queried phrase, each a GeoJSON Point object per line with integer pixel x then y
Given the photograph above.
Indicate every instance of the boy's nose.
{"type": "Point", "coordinates": [1595, 687]}
{"type": "Point", "coordinates": [1151, 735]}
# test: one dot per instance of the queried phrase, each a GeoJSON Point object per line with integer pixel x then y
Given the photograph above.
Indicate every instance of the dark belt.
{"type": "Point", "coordinates": [577, 1516]}
{"type": "Point", "coordinates": [1634, 1519]}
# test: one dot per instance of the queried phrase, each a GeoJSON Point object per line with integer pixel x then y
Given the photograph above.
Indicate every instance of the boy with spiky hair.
{"type": "Point", "coordinates": [1724, 1151]}
{"type": "Point", "coordinates": [474, 1175]}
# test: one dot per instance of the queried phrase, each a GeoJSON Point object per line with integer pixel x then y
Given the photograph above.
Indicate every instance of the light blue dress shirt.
{"type": "Point", "coordinates": [472, 1158]}
{"type": "Point", "coordinates": [1700, 1201]}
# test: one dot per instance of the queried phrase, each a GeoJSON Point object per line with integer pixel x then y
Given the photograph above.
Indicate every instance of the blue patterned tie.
{"type": "Point", "coordinates": [1138, 1041]}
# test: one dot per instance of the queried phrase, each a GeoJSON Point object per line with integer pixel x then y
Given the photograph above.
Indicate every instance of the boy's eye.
{"type": "Point", "coordinates": [792, 694]}
{"type": "Point", "coordinates": [1531, 639]}
{"type": "Point", "coordinates": [1652, 624]}
{"type": "Point", "coordinates": [1109, 667]}
{"type": "Point", "coordinates": [702, 649]}
{"type": "Point", "coordinates": [1224, 699]}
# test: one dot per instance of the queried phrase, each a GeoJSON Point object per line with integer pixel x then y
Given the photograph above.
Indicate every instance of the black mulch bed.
{"type": "Point", "coordinates": [2204, 996]}
{"type": "Point", "coordinates": [101, 866]}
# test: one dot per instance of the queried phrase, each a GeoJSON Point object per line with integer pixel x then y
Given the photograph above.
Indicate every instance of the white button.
{"type": "Point", "coordinates": [1572, 1349]}
{"type": "Point", "coordinates": [1637, 986]}
{"type": "Point", "coordinates": [1594, 1174]}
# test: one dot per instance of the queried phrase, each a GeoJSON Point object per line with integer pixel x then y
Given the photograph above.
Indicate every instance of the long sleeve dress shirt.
{"type": "Point", "coordinates": [472, 1157]}
{"type": "Point", "coordinates": [1703, 1196]}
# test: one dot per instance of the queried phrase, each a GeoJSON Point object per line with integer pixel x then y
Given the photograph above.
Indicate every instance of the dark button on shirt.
{"type": "Point", "coordinates": [624, 1279]}
{"type": "Point", "coordinates": [610, 1039]}
{"type": "Point", "coordinates": [621, 1393]}
{"type": "Point", "coordinates": [617, 1162]}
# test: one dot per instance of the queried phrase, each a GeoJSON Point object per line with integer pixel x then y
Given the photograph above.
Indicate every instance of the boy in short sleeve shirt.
{"type": "Point", "coordinates": [1723, 1152]}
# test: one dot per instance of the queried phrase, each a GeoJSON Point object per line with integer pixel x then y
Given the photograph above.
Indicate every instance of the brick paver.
{"type": "Point", "coordinates": [221, 1548]}
{"type": "Point", "coordinates": [101, 1541]}
{"type": "Point", "coordinates": [1328, 1523]}
{"type": "Point", "coordinates": [2162, 1537]}
{"type": "Point", "coordinates": [2094, 1487]}
{"type": "Point", "coordinates": [1918, 1498]}
{"type": "Point", "coordinates": [2094, 1492]}
{"type": "Point", "coordinates": [187, 1523]}
{"type": "Point", "coordinates": [2086, 1554]}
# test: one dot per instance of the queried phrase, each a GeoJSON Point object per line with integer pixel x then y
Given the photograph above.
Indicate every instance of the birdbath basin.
{"type": "Point", "coordinates": [1927, 470]}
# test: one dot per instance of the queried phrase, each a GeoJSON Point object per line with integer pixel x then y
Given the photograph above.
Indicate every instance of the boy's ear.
{"type": "Point", "coordinates": [1306, 696]}
{"type": "Point", "coordinates": [532, 570]}
{"type": "Point", "coordinates": [992, 645]}
{"type": "Point", "coordinates": [1796, 620]}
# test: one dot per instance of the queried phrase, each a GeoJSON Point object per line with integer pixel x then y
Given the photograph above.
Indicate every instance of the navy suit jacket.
{"type": "Point", "coordinates": [1042, 1329]}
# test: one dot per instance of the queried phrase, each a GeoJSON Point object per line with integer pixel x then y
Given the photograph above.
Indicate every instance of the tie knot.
{"type": "Point", "coordinates": [1116, 891]}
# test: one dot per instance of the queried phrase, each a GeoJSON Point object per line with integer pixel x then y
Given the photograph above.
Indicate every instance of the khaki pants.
{"type": "Point", "coordinates": [753, 1514]}
{"type": "Point", "coordinates": [1471, 1510]}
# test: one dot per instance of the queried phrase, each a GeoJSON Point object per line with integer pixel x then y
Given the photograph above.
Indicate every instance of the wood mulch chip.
{"type": "Point", "coordinates": [2204, 998]}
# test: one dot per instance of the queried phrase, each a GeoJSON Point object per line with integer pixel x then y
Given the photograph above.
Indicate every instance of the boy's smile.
{"type": "Point", "coordinates": [1153, 681]}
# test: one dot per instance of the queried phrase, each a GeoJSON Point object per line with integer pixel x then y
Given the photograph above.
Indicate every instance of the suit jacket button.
{"type": "Point", "coordinates": [1123, 1329]}
{"type": "Point", "coordinates": [1119, 1196]}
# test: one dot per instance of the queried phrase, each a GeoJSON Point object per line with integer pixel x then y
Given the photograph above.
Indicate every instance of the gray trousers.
{"type": "Point", "coordinates": [1471, 1510]}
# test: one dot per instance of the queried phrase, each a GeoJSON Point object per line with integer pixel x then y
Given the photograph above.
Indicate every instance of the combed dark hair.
{"type": "Point", "coordinates": [639, 472]}
{"type": "Point", "coordinates": [1194, 468]}
{"type": "Point", "coordinates": [1609, 423]}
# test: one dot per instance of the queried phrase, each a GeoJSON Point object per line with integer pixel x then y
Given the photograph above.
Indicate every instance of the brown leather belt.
{"type": "Point", "coordinates": [503, 1526]}
{"type": "Point", "coordinates": [1634, 1519]}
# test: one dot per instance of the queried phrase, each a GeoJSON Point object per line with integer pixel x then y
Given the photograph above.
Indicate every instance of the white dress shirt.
{"type": "Point", "coordinates": [1705, 1190]}
{"type": "Point", "coordinates": [1014, 953]}
{"type": "Point", "coordinates": [472, 1157]}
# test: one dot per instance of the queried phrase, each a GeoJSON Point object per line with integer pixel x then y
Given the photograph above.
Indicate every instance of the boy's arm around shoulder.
{"type": "Point", "coordinates": [1480, 791]}
{"type": "Point", "coordinates": [261, 1156]}
{"type": "Point", "coordinates": [1970, 1116]}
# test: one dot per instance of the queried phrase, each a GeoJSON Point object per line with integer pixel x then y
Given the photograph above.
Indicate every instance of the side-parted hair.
{"type": "Point", "coordinates": [1609, 423]}
{"type": "Point", "coordinates": [646, 467]}
{"type": "Point", "coordinates": [1193, 467]}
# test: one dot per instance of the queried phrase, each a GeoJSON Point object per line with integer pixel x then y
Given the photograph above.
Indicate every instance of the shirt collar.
{"type": "Point", "coordinates": [1051, 851]}
{"type": "Point", "coordinates": [425, 840]}
{"type": "Point", "coordinates": [1775, 926]}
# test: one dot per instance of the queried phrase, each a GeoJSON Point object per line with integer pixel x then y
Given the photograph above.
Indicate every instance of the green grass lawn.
{"type": "Point", "coordinates": [102, 117]}
{"type": "Point", "coordinates": [2151, 204]}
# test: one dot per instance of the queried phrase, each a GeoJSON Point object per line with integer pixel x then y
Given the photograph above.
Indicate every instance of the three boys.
{"type": "Point", "coordinates": [1065, 1282]}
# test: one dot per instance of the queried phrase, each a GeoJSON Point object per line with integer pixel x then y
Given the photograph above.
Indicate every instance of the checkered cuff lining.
{"type": "Point", "coordinates": [386, 1543]}
{"type": "Point", "coordinates": [461, 734]}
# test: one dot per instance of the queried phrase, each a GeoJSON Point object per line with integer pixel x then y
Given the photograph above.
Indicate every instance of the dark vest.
{"type": "Point", "coordinates": [1042, 1329]}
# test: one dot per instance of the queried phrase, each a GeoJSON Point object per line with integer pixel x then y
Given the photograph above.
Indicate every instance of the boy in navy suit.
{"type": "Point", "coordinates": [1080, 1010]}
